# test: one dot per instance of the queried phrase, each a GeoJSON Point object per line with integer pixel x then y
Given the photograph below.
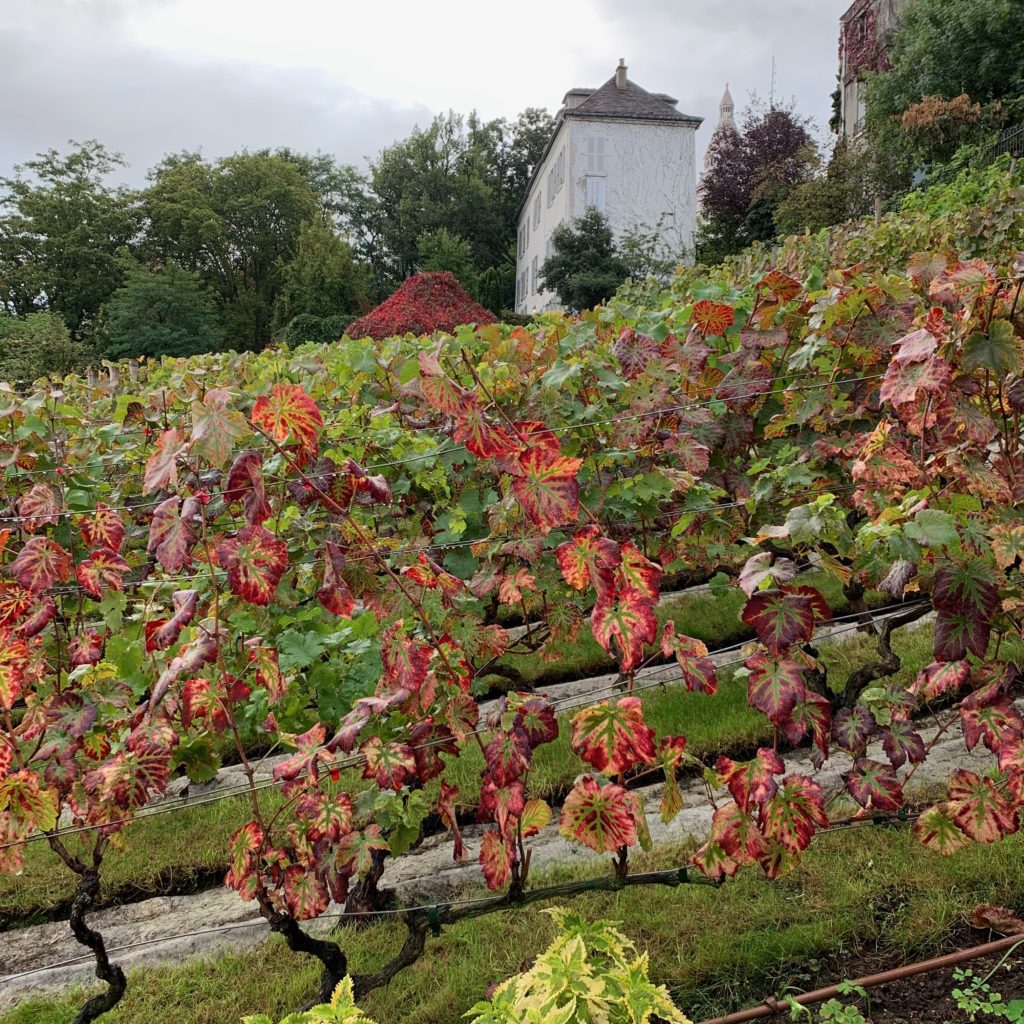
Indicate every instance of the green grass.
{"type": "Point", "coordinates": [169, 852]}
{"type": "Point", "coordinates": [872, 893]}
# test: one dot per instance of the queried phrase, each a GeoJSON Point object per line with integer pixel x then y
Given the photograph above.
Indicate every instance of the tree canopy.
{"type": "Point", "coordinates": [750, 172]}
{"type": "Point", "coordinates": [585, 267]}
{"type": "Point", "coordinates": [61, 227]}
{"type": "Point", "coordinates": [163, 312]}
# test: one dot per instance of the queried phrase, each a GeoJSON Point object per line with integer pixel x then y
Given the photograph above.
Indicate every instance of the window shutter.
{"type": "Point", "coordinates": [596, 192]}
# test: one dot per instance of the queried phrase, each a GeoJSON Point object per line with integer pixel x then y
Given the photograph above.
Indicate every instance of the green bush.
{"type": "Point", "coordinates": [38, 345]}
{"type": "Point", "coordinates": [590, 974]}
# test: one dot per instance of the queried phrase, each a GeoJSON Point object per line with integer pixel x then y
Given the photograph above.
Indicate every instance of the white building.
{"type": "Point", "coordinates": [628, 152]}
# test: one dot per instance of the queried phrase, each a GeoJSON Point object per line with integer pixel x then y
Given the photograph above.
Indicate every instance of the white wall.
{"type": "Point", "coordinates": [539, 234]}
{"type": "Point", "coordinates": [646, 171]}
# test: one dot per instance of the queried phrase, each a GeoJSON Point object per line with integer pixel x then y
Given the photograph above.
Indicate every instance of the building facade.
{"type": "Point", "coordinates": [866, 32]}
{"type": "Point", "coordinates": [629, 153]}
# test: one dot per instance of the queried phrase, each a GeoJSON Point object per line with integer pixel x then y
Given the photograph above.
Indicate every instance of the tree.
{"type": "Point", "coordinates": [584, 268]}
{"type": "Point", "coordinates": [750, 172]}
{"type": "Point", "coordinates": [645, 254]}
{"type": "Point", "coordinates": [944, 49]}
{"type": "Point", "coordinates": [441, 250]}
{"type": "Point", "coordinates": [463, 175]}
{"type": "Point", "coordinates": [323, 288]}
{"type": "Point", "coordinates": [842, 191]}
{"type": "Point", "coordinates": [61, 229]}
{"type": "Point", "coordinates": [38, 345]}
{"type": "Point", "coordinates": [236, 223]}
{"type": "Point", "coordinates": [163, 312]}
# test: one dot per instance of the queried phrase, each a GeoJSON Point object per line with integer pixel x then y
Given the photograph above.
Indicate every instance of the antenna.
{"type": "Point", "coordinates": [771, 95]}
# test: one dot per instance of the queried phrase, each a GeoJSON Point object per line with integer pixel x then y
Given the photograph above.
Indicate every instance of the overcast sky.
{"type": "Point", "coordinates": [148, 77]}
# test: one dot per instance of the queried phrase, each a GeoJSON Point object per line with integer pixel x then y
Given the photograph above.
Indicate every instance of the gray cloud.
{"type": "Point", "coordinates": [145, 104]}
{"type": "Point", "coordinates": [69, 70]}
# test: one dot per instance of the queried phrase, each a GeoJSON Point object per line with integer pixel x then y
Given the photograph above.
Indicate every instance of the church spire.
{"type": "Point", "coordinates": [726, 109]}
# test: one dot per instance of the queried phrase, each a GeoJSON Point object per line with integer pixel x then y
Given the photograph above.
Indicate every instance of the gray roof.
{"type": "Point", "coordinates": [633, 102]}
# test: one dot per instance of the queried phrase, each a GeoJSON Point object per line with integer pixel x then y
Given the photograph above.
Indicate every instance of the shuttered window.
{"type": "Point", "coordinates": [596, 189]}
{"type": "Point", "coordinates": [596, 163]}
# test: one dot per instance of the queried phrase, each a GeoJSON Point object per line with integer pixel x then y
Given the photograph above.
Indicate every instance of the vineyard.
{"type": "Point", "coordinates": [349, 575]}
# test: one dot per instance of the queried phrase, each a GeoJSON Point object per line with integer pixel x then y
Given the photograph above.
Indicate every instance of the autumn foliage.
{"type": "Point", "coordinates": [183, 565]}
{"type": "Point", "coordinates": [427, 302]}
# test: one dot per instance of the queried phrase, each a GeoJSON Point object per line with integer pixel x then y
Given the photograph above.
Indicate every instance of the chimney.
{"type": "Point", "coordinates": [620, 74]}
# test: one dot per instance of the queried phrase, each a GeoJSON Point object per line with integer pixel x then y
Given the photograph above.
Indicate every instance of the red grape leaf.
{"type": "Point", "coordinates": [305, 894]}
{"type": "Point", "coordinates": [906, 383]}
{"type": "Point", "coordinates": [440, 391]}
{"type": "Point", "coordinates": [636, 572]}
{"type": "Point", "coordinates": [171, 535]}
{"type": "Point", "coordinates": [989, 716]}
{"type": "Point", "coordinates": [737, 834]}
{"type": "Point", "coordinates": [751, 781]}
{"type": "Point", "coordinates": [255, 561]}
{"type": "Point", "coordinates": [940, 676]}
{"type": "Point", "coordinates": [162, 467]}
{"type": "Point", "coordinates": [775, 686]}
{"type": "Point", "coordinates": [30, 807]}
{"type": "Point", "coordinates": [102, 569]}
{"type": "Point", "coordinates": [481, 438]}
{"type": "Point", "coordinates": [40, 564]}
{"type": "Point", "coordinates": [14, 602]}
{"type": "Point", "coordinates": [162, 633]}
{"type": "Point", "coordinates": [103, 529]}
{"type": "Point", "coordinates": [13, 661]}
{"type": "Point", "coordinates": [937, 830]}
{"type": "Point", "coordinates": [979, 809]}
{"type": "Point", "coordinates": [779, 619]}
{"type": "Point", "coordinates": [495, 859]}
{"type": "Point", "coordinates": [588, 559]}
{"type": "Point", "coordinates": [535, 818]}
{"type": "Point", "coordinates": [507, 756]}
{"type": "Point", "coordinates": [388, 764]}
{"type": "Point", "coordinates": [355, 851]}
{"type": "Point", "coordinates": [38, 507]}
{"type": "Point", "coordinates": [712, 317]}
{"type": "Point", "coordinates": [622, 622]}
{"type": "Point", "coordinates": [698, 670]}
{"type": "Point", "coordinates": [289, 413]}
{"type": "Point", "coordinates": [852, 728]}
{"type": "Point", "coordinates": [874, 785]}
{"type": "Point", "coordinates": [334, 593]}
{"type": "Point", "coordinates": [245, 484]}
{"type": "Point", "coordinates": [791, 817]}
{"type": "Point", "coordinates": [915, 347]}
{"type": "Point", "coordinates": [597, 816]}
{"type": "Point", "coordinates": [246, 845]}
{"type": "Point", "coordinates": [547, 488]}
{"type": "Point", "coordinates": [782, 286]}
{"type": "Point", "coordinates": [613, 737]}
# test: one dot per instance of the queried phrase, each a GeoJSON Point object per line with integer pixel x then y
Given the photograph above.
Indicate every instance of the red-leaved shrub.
{"type": "Point", "coordinates": [424, 303]}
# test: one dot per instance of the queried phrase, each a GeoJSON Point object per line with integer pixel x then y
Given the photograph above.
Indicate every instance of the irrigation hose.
{"type": "Point", "coordinates": [772, 1007]}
